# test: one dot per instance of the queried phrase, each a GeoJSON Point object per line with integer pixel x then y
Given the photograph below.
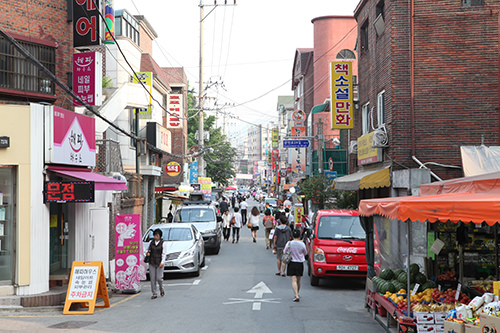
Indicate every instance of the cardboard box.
{"type": "Point", "coordinates": [426, 328]}
{"type": "Point", "coordinates": [489, 324]}
{"type": "Point", "coordinates": [439, 328]}
{"type": "Point", "coordinates": [472, 329]}
{"type": "Point", "coordinates": [439, 317]}
{"type": "Point", "coordinates": [424, 317]}
{"type": "Point", "coordinates": [453, 327]}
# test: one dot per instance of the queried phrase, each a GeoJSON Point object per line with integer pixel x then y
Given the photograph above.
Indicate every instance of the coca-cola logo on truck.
{"type": "Point", "coordinates": [347, 250]}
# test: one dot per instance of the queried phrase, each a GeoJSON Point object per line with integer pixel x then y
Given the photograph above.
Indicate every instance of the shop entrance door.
{"type": "Point", "coordinates": [59, 241]}
{"type": "Point", "coordinates": [7, 223]}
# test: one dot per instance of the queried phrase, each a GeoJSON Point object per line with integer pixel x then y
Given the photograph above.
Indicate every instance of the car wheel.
{"type": "Point", "coordinates": [197, 272]}
{"type": "Point", "coordinates": [314, 280]}
{"type": "Point", "coordinates": [203, 262]}
{"type": "Point", "coordinates": [217, 249]}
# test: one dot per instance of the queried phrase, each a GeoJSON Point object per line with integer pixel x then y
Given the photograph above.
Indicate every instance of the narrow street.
{"type": "Point", "coordinates": [219, 301]}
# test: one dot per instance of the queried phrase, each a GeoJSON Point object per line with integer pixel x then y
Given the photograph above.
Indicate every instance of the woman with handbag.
{"type": "Point", "coordinates": [253, 222]}
{"type": "Point", "coordinates": [156, 255]}
{"type": "Point", "coordinates": [295, 268]}
{"type": "Point", "coordinates": [268, 222]}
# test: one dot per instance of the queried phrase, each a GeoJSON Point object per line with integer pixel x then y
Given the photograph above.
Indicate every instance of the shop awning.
{"type": "Point", "coordinates": [466, 207]}
{"type": "Point", "coordinates": [480, 184]}
{"type": "Point", "coordinates": [102, 183]}
{"type": "Point", "coordinates": [364, 180]}
{"type": "Point", "coordinates": [319, 108]}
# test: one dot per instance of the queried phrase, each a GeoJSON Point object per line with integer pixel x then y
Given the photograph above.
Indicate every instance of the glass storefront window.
{"type": "Point", "coordinates": [7, 221]}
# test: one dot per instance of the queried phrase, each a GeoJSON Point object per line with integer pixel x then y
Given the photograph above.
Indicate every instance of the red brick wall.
{"type": "Point", "coordinates": [455, 79]}
{"type": "Point", "coordinates": [46, 20]}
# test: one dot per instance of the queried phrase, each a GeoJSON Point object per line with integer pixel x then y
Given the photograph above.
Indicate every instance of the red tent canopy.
{"type": "Point", "coordinates": [230, 188]}
{"type": "Point", "coordinates": [469, 199]}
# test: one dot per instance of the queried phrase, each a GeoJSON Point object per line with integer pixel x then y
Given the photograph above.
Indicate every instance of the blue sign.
{"type": "Point", "coordinates": [295, 143]}
{"type": "Point", "coordinates": [193, 173]}
{"type": "Point", "coordinates": [330, 175]}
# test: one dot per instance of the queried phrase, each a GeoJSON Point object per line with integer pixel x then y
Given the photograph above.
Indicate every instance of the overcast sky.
{"type": "Point", "coordinates": [251, 46]}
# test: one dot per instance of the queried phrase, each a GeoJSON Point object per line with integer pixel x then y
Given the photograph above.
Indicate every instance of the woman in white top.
{"type": "Point", "coordinates": [226, 226]}
{"type": "Point", "coordinates": [295, 268]}
{"type": "Point", "coordinates": [253, 222]}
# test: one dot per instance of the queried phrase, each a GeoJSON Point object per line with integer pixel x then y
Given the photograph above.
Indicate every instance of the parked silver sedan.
{"type": "Point", "coordinates": [185, 247]}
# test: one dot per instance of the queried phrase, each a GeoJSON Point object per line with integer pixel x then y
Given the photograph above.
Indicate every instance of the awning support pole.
{"type": "Point", "coordinates": [408, 291]}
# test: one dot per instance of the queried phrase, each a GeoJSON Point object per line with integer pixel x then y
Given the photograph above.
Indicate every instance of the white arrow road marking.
{"type": "Point", "coordinates": [260, 289]}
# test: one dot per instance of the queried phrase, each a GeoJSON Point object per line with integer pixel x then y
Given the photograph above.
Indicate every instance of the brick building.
{"type": "Point", "coordinates": [45, 29]}
{"type": "Point", "coordinates": [428, 84]}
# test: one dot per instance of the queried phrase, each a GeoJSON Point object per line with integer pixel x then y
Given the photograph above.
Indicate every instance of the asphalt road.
{"type": "Point", "coordinates": [219, 301]}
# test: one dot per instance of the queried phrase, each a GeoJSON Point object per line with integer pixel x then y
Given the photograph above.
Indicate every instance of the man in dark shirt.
{"type": "Point", "coordinates": [223, 206]}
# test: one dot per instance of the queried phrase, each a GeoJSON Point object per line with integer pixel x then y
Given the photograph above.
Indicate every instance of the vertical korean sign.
{"type": "Point", "coordinates": [86, 23]}
{"type": "Point", "coordinates": [147, 79]}
{"type": "Point", "coordinates": [175, 110]}
{"type": "Point", "coordinates": [341, 95]}
{"type": "Point", "coordinates": [87, 77]}
{"type": "Point", "coordinates": [206, 184]}
{"type": "Point", "coordinates": [129, 254]}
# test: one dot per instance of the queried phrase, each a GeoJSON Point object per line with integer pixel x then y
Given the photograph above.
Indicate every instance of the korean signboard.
{"type": "Point", "coordinates": [173, 169]}
{"type": "Point", "coordinates": [275, 159]}
{"type": "Point", "coordinates": [276, 138]}
{"type": "Point", "coordinates": [206, 184]}
{"type": "Point", "coordinates": [159, 136]}
{"type": "Point", "coordinates": [175, 110]}
{"type": "Point", "coordinates": [87, 283]}
{"type": "Point", "coordinates": [129, 254]}
{"type": "Point", "coordinates": [86, 23]}
{"type": "Point", "coordinates": [87, 77]}
{"type": "Point", "coordinates": [341, 95]}
{"type": "Point", "coordinates": [297, 156]}
{"type": "Point", "coordinates": [366, 153]}
{"type": "Point", "coordinates": [69, 138]}
{"type": "Point", "coordinates": [69, 192]}
{"type": "Point", "coordinates": [193, 172]}
{"type": "Point", "coordinates": [147, 80]}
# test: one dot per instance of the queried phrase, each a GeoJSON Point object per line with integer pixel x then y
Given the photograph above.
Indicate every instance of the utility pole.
{"type": "Point", "coordinates": [320, 146]}
{"type": "Point", "coordinates": [201, 134]}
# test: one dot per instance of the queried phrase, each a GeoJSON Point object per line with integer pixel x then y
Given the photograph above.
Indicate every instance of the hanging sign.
{"type": "Point", "coordinates": [341, 95]}
{"type": "Point", "coordinates": [175, 110]}
{"type": "Point", "coordinates": [69, 192]}
{"type": "Point", "coordinates": [86, 23]}
{"type": "Point", "coordinates": [147, 80]}
{"type": "Point", "coordinates": [87, 77]}
{"type": "Point", "coordinates": [173, 169]}
{"type": "Point", "coordinates": [206, 184]}
{"type": "Point", "coordinates": [87, 283]}
{"type": "Point", "coordinates": [129, 255]}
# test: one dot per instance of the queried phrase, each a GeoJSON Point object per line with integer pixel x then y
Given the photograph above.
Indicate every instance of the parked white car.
{"type": "Point", "coordinates": [185, 247]}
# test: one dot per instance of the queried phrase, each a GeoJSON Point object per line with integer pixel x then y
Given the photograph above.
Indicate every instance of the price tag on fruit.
{"type": "Point", "coordinates": [457, 294]}
{"type": "Point", "coordinates": [414, 291]}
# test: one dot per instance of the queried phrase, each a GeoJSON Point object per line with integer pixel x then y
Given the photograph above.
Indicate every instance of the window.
{"type": "Point", "coordinates": [364, 37]}
{"type": "Point", "coordinates": [379, 23]}
{"type": "Point", "coordinates": [381, 108]}
{"type": "Point", "coordinates": [19, 74]}
{"type": "Point", "coordinates": [379, 9]}
{"type": "Point", "coordinates": [340, 227]}
{"type": "Point", "coordinates": [346, 54]}
{"type": "Point", "coordinates": [126, 25]}
{"type": "Point", "coordinates": [365, 119]}
{"type": "Point", "coordinates": [472, 3]}
{"type": "Point", "coordinates": [132, 125]}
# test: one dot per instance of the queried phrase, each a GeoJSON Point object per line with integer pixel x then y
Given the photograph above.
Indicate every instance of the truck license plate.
{"type": "Point", "coordinates": [347, 268]}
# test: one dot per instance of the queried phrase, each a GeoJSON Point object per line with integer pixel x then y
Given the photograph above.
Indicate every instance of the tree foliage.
{"type": "Point", "coordinates": [220, 158]}
{"type": "Point", "coordinates": [346, 199]}
{"type": "Point", "coordinates": [317, 189]}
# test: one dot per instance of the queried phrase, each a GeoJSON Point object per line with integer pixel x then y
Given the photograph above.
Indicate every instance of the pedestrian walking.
{"type": "Point", "coordinates": [269, 223]}
{"type": "Point", "coordinates": [223, 206]}
{"type": "Point", "coordinates": [233, 200]}
{"type": "Point", "coordinates": [282, 234]}
{"type": "Point", "coordinates": [157, 251]}
{"type": "Point", "coordinates": [295, 268]}
{"type": "Point", "coordinates": [237, 225]}
{"type": "Point", "coordinates": [244, 210]}
{"type": "Point", "coordinates": [226, 225]}
{"type": "Point", "coordinates": [253, 222]}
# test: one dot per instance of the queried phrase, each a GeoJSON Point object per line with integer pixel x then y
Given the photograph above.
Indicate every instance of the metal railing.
{"type": "Point", "coordinates": [109, 159]}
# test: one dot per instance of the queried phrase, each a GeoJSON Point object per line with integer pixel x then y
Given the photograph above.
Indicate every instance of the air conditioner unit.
{"type": "Point", "coordinates": [353, 147]}
{"type": "Point", "coordinates": [380, 138]}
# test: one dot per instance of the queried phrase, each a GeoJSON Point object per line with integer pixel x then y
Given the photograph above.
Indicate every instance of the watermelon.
{"type": "Point", "coordinates": [391, 288]}
{"type": "Point", "coordinates": [387, 274]}
{"type": "Point", "coordinates": [414, 269]}
{"type": "Point", "coordinates": [384, 287]}
{"type": "Point", "coordinates": [420, 278]}
{"type": "Point", "coordinates": [397, 272]}
{"type": "Point", "coordinates": [402, 277]}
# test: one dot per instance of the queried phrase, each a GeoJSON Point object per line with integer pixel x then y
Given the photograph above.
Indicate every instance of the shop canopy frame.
{"type": "Point", "coordinates": [469, 200]}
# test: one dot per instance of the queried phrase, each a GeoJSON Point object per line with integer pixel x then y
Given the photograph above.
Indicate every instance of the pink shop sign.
{"type": "Point", "coordinates": [129, 257]}
{"type": "Point", "coordinates": [87, 77]}
{"type": "Point", "coordinates": [69, 138]}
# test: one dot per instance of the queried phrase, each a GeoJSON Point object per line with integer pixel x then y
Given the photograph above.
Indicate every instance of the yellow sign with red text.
{"type": "Point", "coordinates": [341, 110]}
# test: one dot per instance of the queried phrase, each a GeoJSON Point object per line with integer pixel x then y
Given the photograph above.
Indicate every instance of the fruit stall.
{"type": "Point", "coordinates": [438, 250]}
